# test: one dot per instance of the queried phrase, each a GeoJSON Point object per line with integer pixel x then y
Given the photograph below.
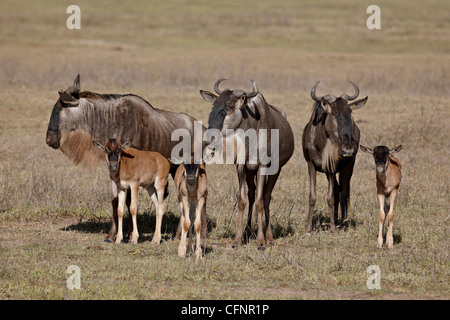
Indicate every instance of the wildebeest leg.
{"type": "Point", "coordinates": [259, 206]}
{"type": "Point", "coordinates": [130, 220]}
{"type": "Point", "coordinates": [241, 207]}
{"type": "Point", "coordinates": [390, 216]}
{"type": "Point", "coordinates": [381, 199]}
{"type": "Point", "coordinates": [330, 199]}
{"type": "Point", "coordinates": [114, 202]}
{"type": "Point", "coordinates": [312, 196]}
{"type": "Point", "coordinates": [186, 224]}
{"type": "Point", "coordinates": [250, 178]}
{"type": "Point", "coordinates": [204, 218]}
{"type": "Point", "coordinates": [120, 208]}
{"type": "Point", "coordinates": [133, 213]}
{"type": "Point", "coordinates": [344, 181]}
{"type": "Point", "coordinates": [336, 193]}
{"type": "Point", "coordinates": [158, 200]}
{"type": "Point", "coordinates": [197, 226]}
{"type": "Point", "coordinates": [268, 188]}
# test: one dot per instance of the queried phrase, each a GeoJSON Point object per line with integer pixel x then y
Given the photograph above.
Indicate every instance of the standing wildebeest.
{"type": "Point", "coordinates": [79, 117]}
{"type": "Point", "coordinates": [130, 169]}
{"type": "Point", "coordinates": [191, 184]}
{"type": "Point", "coordinates": [389, 175]}
{"type": "Point", "coordinates": [330, 143]}
{"type": "Point", "coordinates": [236, 109]}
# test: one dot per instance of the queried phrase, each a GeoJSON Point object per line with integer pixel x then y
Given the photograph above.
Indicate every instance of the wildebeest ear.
{"type": "Point", "coordinates": [126, 145]}
{"type": "Point", "coordinates": [396, 149]}
{"type": "Point", "coordinates": [366, 149]}
{"type": "Point", "coordinates": [208, 96]}
{"type": "Point", "coordinates": [325, 106]}
{"type": "Point", "coordinates": [241, 101]}
{"type": "Point", "coordinates": [76, 85]}
{"type": "Point", "coordinates": [358, 103]}
{"type": "Point", "coordinates": [98, 145]}
{"type": "Point", "coordinates": [68, 98]}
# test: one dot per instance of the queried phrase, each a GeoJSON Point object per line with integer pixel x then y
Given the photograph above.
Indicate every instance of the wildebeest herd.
{"type": "Point", "coordinates": [137, 143]}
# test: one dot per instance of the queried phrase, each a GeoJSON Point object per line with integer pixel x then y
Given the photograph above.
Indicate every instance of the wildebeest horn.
{"type": "Point", "coordinates": [348, 98]}
{"type": "Point", "coordinates": [216, 85]}
{"type": "Point", "coordinates": [313, 92]}
{"type": "Point", "coordinates": [255, 90]}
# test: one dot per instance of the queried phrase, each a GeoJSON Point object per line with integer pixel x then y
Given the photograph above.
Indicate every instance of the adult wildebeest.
{"type": "Point", "coordinates": [330, 143]}
{"type": "Point", "coordinates": [79, 117]}
{"type": "Point", "coordinates": [389, 176]}
{"type": "Point", "coordinates": [236, 109]}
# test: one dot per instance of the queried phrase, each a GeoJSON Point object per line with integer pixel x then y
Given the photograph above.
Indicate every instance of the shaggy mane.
{"type": "Point", "coordinates": [77, 146]}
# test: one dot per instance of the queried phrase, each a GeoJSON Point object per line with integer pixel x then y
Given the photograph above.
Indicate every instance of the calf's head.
{"type": "Point", "coordinates": [113, 150]}
{"type": "Point", "coordinates": [381, 155]}
{"type": "Point", "coordinates": [335, 114]}
{"type": "Point", "coordinates": [191, 172]}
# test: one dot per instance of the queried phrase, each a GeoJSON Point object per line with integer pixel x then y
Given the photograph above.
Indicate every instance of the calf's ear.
{"type": "Point", "coordinates": [366, 149]}
{"type": "Point", "coordinates": [395, 149]}
{"type": "Point", "coordinates": [358, 103]}
{"type": "Point", "coordinates": [208, 96]}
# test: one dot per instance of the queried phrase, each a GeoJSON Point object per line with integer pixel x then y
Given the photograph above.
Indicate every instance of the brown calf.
{"type": "Point", "coordinates": [131, 168]}
{"type": "Point", "coordinates": [389, 175]}
{"type": "Point", "coordinates": [191, 185]}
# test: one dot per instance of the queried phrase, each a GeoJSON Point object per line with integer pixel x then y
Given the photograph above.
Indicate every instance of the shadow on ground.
{"type": "Point", "coordinates": [321, 222]}
{"type": "Point", "coordinates": [146, 225]}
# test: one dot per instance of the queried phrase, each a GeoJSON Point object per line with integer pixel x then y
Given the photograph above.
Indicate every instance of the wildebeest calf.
{"type": "Point", "coordinates": [130, 168]}
{"type": "Point", "coordinates": [389, 175]}
{"type": "Point", "coordinates": [191, 185]}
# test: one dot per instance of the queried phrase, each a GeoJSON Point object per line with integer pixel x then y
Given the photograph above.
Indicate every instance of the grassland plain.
{"type": "Point", "coordinates": [54, 214]}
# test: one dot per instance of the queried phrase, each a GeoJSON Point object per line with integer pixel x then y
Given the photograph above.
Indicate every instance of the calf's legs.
{"type": "Point", "coordinates": [120, 208]}
{"type": "Point", "coordinates": [390, 216]}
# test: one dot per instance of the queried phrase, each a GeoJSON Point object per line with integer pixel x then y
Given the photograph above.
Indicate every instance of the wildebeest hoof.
{"type": "Point", "coordinates": [262, 248]}
{"type": "Point", "coordinates": [235, 246]}
{"type": "Point", "coordinates": [108, 240]}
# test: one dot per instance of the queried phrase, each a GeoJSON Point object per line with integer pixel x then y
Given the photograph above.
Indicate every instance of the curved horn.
{"type": "Point", "coordinates": [216, 85]}
{"type": "Point", "coordinates": [255, 90]}
{"type": "Point", "coordinates": [313, 92]}
{"type": "Point", "coordinates": [348, 98]}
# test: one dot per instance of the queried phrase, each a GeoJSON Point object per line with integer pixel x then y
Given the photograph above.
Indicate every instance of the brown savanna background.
{"type": "Point", "coordinates": [54, 214]}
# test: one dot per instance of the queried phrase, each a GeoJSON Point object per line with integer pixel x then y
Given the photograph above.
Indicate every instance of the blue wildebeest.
{"type": "Point", "coordinates": [80, 117]}
{"type": "Point", "coordinates": [191, 183]}
{"type": "Point", "coordinates": [389, 176]}
{"type": "Point", "coordinates": [330, 143]}
{"type": "Point", "coordinates": [236, 112]}
{"type": "Point", "coordinates": [130, 169]}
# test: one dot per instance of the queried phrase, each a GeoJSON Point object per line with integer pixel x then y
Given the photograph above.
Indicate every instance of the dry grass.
{"type": "Point", "coordinates": [54, 214]}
